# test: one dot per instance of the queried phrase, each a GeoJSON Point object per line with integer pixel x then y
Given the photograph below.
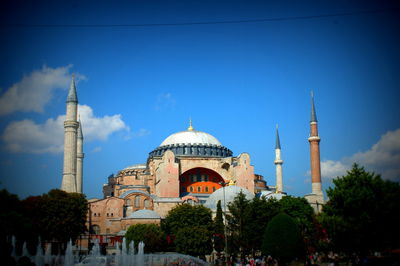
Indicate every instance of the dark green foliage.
{"type": "Point", "coordinates": [303, 214]}
{"type": "Point", "coordinates": [260, 213]}
{"type": "Point", "coordinates": [150, 234]}
{"type": "Point", "coordinates": [64, 215]}
{"type": "Point", "coordinates": [194, 241]}
{"type": "Point", "coordinates": [11, 220]}
{"type": "Point", "coordinates": [282, 239]}
{"type": "Point", "coordinates": [190, 218]}
{"type": "Point", "coordinates": [57, 216]}
{"type": "Point", "coordinates": [219, 229]}
{"type": "Point", "coordinates": [362, 212]}
{"type": "Point", "coordinates": [238, 225]}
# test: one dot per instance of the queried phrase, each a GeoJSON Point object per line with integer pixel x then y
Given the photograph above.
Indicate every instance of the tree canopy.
{"type": "Point", "coordinates": [362, 212]}
{"type": "Point", "coordinates": [219, 229]}
{"type": "Point", "coordinates": [150, 234]}
{"type": "Point", "coordinates": [282, 239]}
{"type": "Point", "coordinates": [189, 224]}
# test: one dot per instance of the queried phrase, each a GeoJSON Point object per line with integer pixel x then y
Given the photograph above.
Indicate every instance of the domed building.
{"type": "Point", "coordinates": [188, 166]}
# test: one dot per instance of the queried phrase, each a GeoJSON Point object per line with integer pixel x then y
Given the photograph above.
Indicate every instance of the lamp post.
{"type": "Point", "coordinates": [225, 235]}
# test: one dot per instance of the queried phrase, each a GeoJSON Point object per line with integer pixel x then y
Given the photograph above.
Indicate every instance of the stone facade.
{"type": "Point", "coordinates": [185, 171]}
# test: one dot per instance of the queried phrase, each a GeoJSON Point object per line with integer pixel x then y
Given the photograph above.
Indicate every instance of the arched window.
{"type": "Point", "coordinates": [199, 189]}
{"type": "Point", "coordinates": [206, 189]}
{"type": "Point", "coordinates": [213, 189]}
{"type": "Point", "coordinates": [128, 202]}
{"type": "Point", "coordinates": [94, 214]}
{"type": "Point", "coordinates": [146, 203]}
{"type": "Point", "coordinates": [191, 189]}
{"type": "Point", "coordinates": [137, 201]}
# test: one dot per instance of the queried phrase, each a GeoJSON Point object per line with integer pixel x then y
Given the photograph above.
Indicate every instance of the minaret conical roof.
{"type": "Point", "coordinates": [72, 92]}
{"type": "Point", "coordinates": [278, 142]}
{"type": "Point", "coordinates": [313, 113]}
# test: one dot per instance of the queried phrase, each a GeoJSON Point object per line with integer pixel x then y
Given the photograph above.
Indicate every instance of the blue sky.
{"type": "Point", "coordinates": [139, 84]}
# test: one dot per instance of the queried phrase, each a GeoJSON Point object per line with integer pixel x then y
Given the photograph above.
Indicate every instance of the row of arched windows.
{"type": "Point", "coordinates": [199, 189]}
{"type": "Point", "coordinates": [136, 201]}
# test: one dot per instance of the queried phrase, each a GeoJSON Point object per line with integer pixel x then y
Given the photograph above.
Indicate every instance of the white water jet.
{"type": "Point", "coordinates": [39, 259]}
{"type": "Point", "coordinates": [25, 251]}
{"type": "Point", "coordinates": [69, 256]}
{"type": "Point", "coordinates": [13, 252]}
{"type": "Point", "coordinates": [47, 254]}
{"type": "Point", "coordinates": [140, 254]}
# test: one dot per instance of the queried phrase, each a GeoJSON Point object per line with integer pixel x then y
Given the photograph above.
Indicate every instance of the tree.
{"type": "Point", "coordinates": [195, 241]}
{"type": "Point", "coordinates": [238, 225]}
{"type": "Point", "coordinates": [219, 229]}
{"type": "Point", "coordinates": [261, 212]}
{"type": "Point", "coordinates": [361, 214]}
{"type": "Point", "coordinates": [64, 215]}
{"type": "Point", "coordinates": [303, 214]}
{"type": "Point", "coordinates": [282, 239]}
{"type": "Point", "coordinates": [11, 221]}
{"type": "Point", "coordinates": [150, 234]}
{"type": "Point", "coordinates": [190, 218]}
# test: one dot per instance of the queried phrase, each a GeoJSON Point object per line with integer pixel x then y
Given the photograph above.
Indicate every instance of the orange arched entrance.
{"type": "Point", "coordinates": [199, 181]}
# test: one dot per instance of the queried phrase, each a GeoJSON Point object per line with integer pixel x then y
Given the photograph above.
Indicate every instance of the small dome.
{"type": "Point", "coordinates": [144, 214]}
{"type": "Point", "coordinates": [191, 137]}
{"type": "Point", "coordinates": [230, 193]}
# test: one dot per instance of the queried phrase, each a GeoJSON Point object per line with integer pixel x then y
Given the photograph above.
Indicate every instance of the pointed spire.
{"type": "Point", "coordinates": [80, 135]}
{"type": "Point", "coordinates": [278, 142]}
{"type": "Point", "coordinates": [190, 128]}
{"type": "Point", "coordinates": [72, 91]}
{"type": "Point", "coordinates": [313, 113]}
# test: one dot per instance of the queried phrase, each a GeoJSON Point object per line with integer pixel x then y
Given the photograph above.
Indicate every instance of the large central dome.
{"type": "Point", "coordinates": [192, 143]}
{"type": "Point", "coordinates": [191, 137]}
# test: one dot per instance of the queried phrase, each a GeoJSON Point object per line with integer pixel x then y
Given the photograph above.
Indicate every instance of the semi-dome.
{"type": "Point", "coordinates": [229, 195]}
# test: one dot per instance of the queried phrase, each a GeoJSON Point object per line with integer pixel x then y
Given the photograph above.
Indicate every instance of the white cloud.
{"type": "Point", "coordinates": [97, 149]}
{"type": "Point", "coordinates": [99, 128]}
{"type": "Point", "coordinates": [332, 169]}
{"type": "Point", "coordinates": [383, 158]}
{"type": "Point", "coordinates": [142, 132]}
{"type": "Point", "coordinates": [35, 90]}
{"type": "Point", "coordinates": [165, 101]}
{"type": "Point", "coordinates": [30, 137]}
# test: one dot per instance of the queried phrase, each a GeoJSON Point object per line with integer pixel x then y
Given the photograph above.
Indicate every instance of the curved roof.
{"type": "Point", "coordinates": [136, 166]}
{"type": "Point", "coordinates": [230, 193]}
{"type": "Point", "coordinates": [191, 137]}
{"type": "Point", "coordinates": [126, 193]}
{"type": "Point", "coordinates": [144, 214]}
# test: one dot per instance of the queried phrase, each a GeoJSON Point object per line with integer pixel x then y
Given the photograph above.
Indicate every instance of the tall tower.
{"type": "Point", "coordinates": [70, 141]}
{"type": "Point", "coordinates": [316, 197]}
{"type": "Point", "coordinates": [79, 159]}
{"type": "Point", "coordinates": [278, 163]}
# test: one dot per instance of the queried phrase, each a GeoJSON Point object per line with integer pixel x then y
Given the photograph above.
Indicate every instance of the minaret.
{"type": "Point", "coordinates": [278, 163]}
{"type": "Point", "coordinates": [70, 143]}
{"type": "Point", "coordinates": [79, 159]}
{"type": "Point", "coordinates": [316, 197]}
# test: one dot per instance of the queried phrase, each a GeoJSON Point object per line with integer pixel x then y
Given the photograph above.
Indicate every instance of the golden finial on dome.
{"type": "Point", "coordinates": [232, 183]}
{"type": "Point", "coordinates": [190, 128]}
